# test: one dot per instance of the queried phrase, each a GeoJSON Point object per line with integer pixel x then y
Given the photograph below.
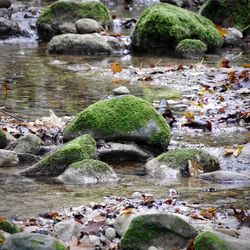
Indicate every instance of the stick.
{"type": "Point", "coordinates": [8, 114]}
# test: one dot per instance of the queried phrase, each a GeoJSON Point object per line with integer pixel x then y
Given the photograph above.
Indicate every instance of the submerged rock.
{"type": "Point", "coordinates": [55, 163]}
{"type": "Point", "coordinates": [121, 118]}
{"type": "Point", "coordinates": [166, 231]}
{"type": "Point", "coordinates": [27, 241]}
{"type": "Point", "coordinates": [67, 11]}
{"type": "Point", "coordinates": [8, 28]}
{"type": "Point", "coordinates": [88, 44]}
{"type": "Point", "coordinates": [89, 172]}
{"type": "Point", "coordinates": [177, 162]}
{"type": "Point", "coordinates": [162, 26]}
{"type": "Point", "coordinates": [3, 139]}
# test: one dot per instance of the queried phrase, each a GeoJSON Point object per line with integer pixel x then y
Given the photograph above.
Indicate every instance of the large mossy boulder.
{"type": "Point", "coordinates": [208, 240]}
{"type": "Point", "coordinates": [178, 162]}
{"type": "Point", "coordinates": [121, 118]}
{"type": "Point", "coordinates": [162, 26]}
{"type": "Point", "coordinates": [89, 172]}
{"type": "Point", "coordinates": [166, 231]}
{"type": "Point", "coordinates": [62, 12]}
{"type": "Point", "coordinates": [8, 226]}
{"type": "Point", "coordinates": [34, 241]}
{"type": "Point", "coordinates": [228, 13]}
{"type": "Point", "coordinates": [3, 139]}
{"type": "Point", "coordinates": [54, 164]}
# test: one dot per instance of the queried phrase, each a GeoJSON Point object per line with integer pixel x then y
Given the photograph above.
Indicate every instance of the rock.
{"type": "Point", "coordinates": [228, 13]}
{"type": "Point", "coordinates": [162, 26]}
{"type": "Point", "coordinates": [112, 150]}
{"type": "Point", "coordinates": [28, 241]}
{"type": "Point", "coordinates": [28, 158]}
{"type": "Point", "coordinates": [123, 221]}
{"type": "Point", "coordinates": [89, 44]}
{"type": "Point", "coordinates": [87, 25]}
{"type": "Point", "coordinates": [66, 230]}
{"type": "Point", "coordinates": [8, 28]}
{"type": "Point", "coordinates": [31, 229]}
{"type": "Point", "coordinates": [62, 12]}
{"type": "Point", "coordinates": [165, 231]}
{"type": "Point", "coordinates": [4, 12]}
{"type": "Point", "coordinates": [56, 162]}
{"type": "Point", "coordinates": [110, 233]}
{"type": "Point", "coordinates": [8, 227]}
{"type": "Point", "coordinates": [226, 177]}
{"type": "Point", "coordinates": [208, 240]}
{"type": "Point", "coordinates": [121, 91]}
{"type": "Point", "coordinates": [89, 172]}
{"type": "Point", "coordinates": [67, 27]}
{"type": "Point", "coordinates": [233, 38]}
{"type": "Point", "coordinates": [176, 162]}
{"type": "Point", "coordinates": [8, 158]}
{"type": "Point", "coordinates": [126, 118]}
{"type": "Point", "coordinates": [191, 49]}
{"type": "Point", "coordinates": [5, 4]}
{"type": "Point", "coordinates": [179, 3]}
{"type": "Point", "coordinates": [27, 144]}
{"type": "Point", "coordinates": [3, 139]}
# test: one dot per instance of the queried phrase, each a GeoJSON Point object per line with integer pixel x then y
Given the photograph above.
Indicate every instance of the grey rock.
{"type": "Point", "coordinates": [3, 139]}
{"type": "Point", "coordinates": [110, 233]}
{"type": "Point", "coordinates": [91, 240]}
{"type": "Point", "coordinates": [233, 38]}
{"type": "Point", "coordinates": [28, 158]}
{"type": "Point", "coordinates": [5, 4]}
{"type": "Point", "coordinates": [26, 241]}
{"type": "Point", "coordinates": [8, 28]}
{"type": "Point", "coordinates": [4, 12]}
{"type": "Point", "coordinates": [87, 26]}
{"type": "Point", "coordinates": [66, 230]}
{"type": "Point", "coordinates": [67, 27]}
{"type": "Point", "coordinates": [88, 44]}
{"type": "Point", "coordinates": [121, 91]}
{"type": "Point", "coordinates": [8, 158]}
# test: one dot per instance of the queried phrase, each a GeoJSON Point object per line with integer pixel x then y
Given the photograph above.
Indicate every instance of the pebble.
{"type": "Point", "coordinates": [110, 233]}
{"type": "Point", "coordinates": [121, 91]}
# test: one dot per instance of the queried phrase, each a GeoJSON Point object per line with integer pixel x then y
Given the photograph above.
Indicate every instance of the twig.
{"type": "Point", "coordinates": [13, 116]}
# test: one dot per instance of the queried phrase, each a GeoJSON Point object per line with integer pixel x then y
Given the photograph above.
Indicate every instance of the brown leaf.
{"type": "Point", "coordinates": [208, 213]}
{"type": "Point", "coordinates": [128, 211]}
{"type": "Point", "coordinates": [246, 65]}
{"type": "Point", "coordinates": [180, 67]}
{"type": "Point", "coordinates": [228, 151]}
{"type": "Point", "coordinates": [232, 76]}
{"type": "Point", "coordinates": [116, 67]}
{"type": "Point", "coordinates": [225, 63]}
{"type": "Point", "coordinates": [191, 245]}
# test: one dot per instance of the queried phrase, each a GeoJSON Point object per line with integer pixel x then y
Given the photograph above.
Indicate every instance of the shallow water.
{"type": "Point", "coordinates": [39, 82]}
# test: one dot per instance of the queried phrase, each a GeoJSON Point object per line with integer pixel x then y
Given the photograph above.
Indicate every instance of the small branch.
{"type": "Point", "coordinates": [13, 116]}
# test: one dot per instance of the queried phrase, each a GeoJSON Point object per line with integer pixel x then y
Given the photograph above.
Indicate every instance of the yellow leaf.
{"type": "Point", "coordinates": [189, 115]}
{"type": "Point", "coordinates": [228, 151]}
{"type": "Point", "coordinates": [128, 211]}
{"type": "Point", "coordinates": [238, 150]}
{"type": "Point", "coordinates": [223, 31]}
{"type": "Point", "coordinates": [116, 67]}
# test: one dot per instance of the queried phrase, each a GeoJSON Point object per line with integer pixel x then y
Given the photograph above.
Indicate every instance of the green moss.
{"type": "Point", "coordinates": [3, 139]}
{"type": "Point", "coordinates": [141, 232]}
{"type": "Point", "coordinates": [91, 166]}
{"type": "Point", "coordinates": [192, 44]}
{"type": "Point", "coordinates": [208, 240]}
{"type": "Point", "coordinates": [9, 227]}
{"type": "Point", "coordinates": [2, 239]}
{"type": "Point", "coordinates": [70, 11]}
{"type": "Point", "coordinates": [164, 25]}
{"type": "Point", "coordinates": [179, 157]}
{"type": "Point", "coordinates": [83, 147]}
{"type": "Point", "coordinates": [228, 12]}
{"type": "Point", "coordinates": [123, 116]}
{"type": "Point", "coordinates": [60, 246]}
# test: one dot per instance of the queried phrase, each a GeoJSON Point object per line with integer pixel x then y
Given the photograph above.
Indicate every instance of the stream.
{"type": "Point", "coordinates": [39, 82]}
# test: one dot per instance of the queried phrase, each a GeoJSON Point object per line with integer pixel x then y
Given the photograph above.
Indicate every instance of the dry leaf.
{"type": "Point", "coordinates": [194, 168]}
{"type": "Point", "coordinates": [246, 65]}
{"type": "Point", "coordinates": [228, 151]}
{"type": "Point", "coordinates": [2, 219]}
{"type": "Point", "coordinates": [223, 31]}
{"type": "Point", "coordinates": [232, 76]}
{"type": "Point", "coordinates": [128, 211]}
{"type": "Point", "coordinates": [189, 115]}
{"type": "Point", "coordinates": [116, 67]}
{"type": "Point", "coordinates": [238, 150]}
{"type": "Point", "coordinates": [208, 213]}
{"type": "Point", "coordinates": [225, 64]}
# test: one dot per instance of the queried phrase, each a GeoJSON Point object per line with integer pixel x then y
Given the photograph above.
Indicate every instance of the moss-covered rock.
{"type": "Point", "coordinates": [177, 162]}
{"type": "Point", "coordinates": [208, 240]}
{"type": "Point", "coordinates": [2, 239]}
{"type": "Point", "coordinates": [83, 147]}
{"type": "Point", "coordinates": [62, 12]}
{"type": "Point", "coordinates": [191, 49]}
{"type": "Point", "coordinates": [121, 118]}
{"type": "Point", "coordinates": [159, 230]}
{"type": "Point", "coordinates": [8, 227]}
{"type": "Point", "coordinates": [89, 172]}
{"type": "Point", "coordinates": [228, 13]}
{"type": "Point", "coordinates": [163, 26]}
{"type": "Point", "coordinates": [3, 139]}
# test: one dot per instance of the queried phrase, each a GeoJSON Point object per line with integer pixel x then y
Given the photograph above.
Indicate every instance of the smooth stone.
{"type": "Point", "coordinates": [121, 91]}
{"type": "Point", "coordinates": [110, 233]}
{"type": "Point", "coordinates": [87, 26]}
{"type": "Point", "coordinates": [67, 27]}
{"type": "Point", "coordinates": [8, 158]}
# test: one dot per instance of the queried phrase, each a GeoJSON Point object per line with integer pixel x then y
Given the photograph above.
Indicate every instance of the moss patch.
{"type": "Point", "coordinates": [3, 139]}
{"type": "Point", "coordinates": [60, 246]}
{"type": "Point", "coordinates": [164, 26]}
{"type": "Point", "coordinates": [8, 227]}
{"type": "Point", "coordinates": [83, 147]}
{"type": "Point", "coordinates": [208, 240]}
{"type": "Point", "coordinates": [120, 117]}
{"type": "Point", "coordinates": [91, 166]}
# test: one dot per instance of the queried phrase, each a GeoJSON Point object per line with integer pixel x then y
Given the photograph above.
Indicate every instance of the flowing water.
{"type": "Point", "coordinates": [38, 82]}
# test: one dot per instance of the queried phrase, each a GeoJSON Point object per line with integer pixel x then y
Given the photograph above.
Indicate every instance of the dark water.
{"type": "Point", "coordinates": [39, 82]}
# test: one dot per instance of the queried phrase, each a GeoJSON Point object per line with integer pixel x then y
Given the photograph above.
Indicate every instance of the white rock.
{"type": "Point", "coordinates": [110, 233]}
{"type": "Point", "coordinates": [8, 158]}
{"type": "Point", "coordinates": [121, 91]}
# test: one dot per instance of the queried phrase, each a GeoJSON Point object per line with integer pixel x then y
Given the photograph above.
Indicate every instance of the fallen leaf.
{"type": "Point", "coordinates": [232, 76]}
{"type": "Point", "coordinates": [128, 211]}
{"type": "Point", "coordinates": [2, 219]}
{"type": "Point", "coordinates": [238, 150]}
{"type": "Point", "coordinates": [194, 168]}
{"type": "Point", "coordinates": [208, 213]}
{"type": "Point", "coordinates": [223, 31]}
{"type": "Point", "coordinates": [246, 65]}
{"type": "Point", "coordinates": [189, 115]}
{"type": "Point", "coordinates": [228, 151]}
{"type": "Point", "coordinates": [225, 63]}
{"type": "Point", "coordinates": [116, 67]}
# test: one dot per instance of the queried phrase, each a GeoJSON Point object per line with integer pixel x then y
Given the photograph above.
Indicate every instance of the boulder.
{"type": "Point", "coordinates": [8, 28]}
{"type": "Point", "coordinates": [87, 25]}
{"type": "Point", "coordinates": [124, 118]}
{"type": "Point", "coordinates": [28, 241]}
{"type": "Point", "coordinates": [177, 162]}
{"type": "Point", "coordinates": [3, 139]}
{"type": "Point", "coordinates": [89, 172]}
{"type": "Point", "coordinates": [67, 27]}
{"type": "Point", "coordinates": [8, 158]}
{"type": "Point", "coordinates": [162, 26]}
{"type": "Point", "coordinates": [27, 144]}
{"type": "Point", "coordinates": [208, 240]}
{"type": "Point", "coordinates": [228, 13]}
{"type": "Point", "coordinates": [5, 4]}
{"type": "Point", "coordinates": [191, 49]}
{"type": "Point", "coordinates": [165, 231]}
{"type": "Point", "coordinates": [8, 227]}
{"type": "Point", "coordinates": [88, 44]}
{"type": "Point", "coordinates": [233, 37]}
{"type": "Point", "coordinates": [56, 162]}
{"type": "Point", "coordinates": [66, 11]}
